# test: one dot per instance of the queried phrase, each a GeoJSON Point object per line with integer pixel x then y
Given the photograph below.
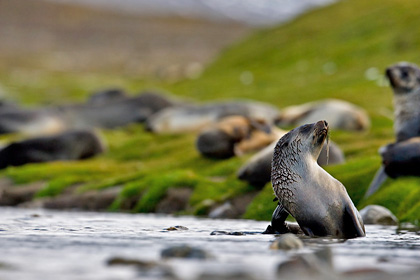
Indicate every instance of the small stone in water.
{"type": "Point", "coordinates": [177, 228]}
{"type": "Point", "coordinates": [379, 215]}
{"type": "Point", "coordinates": [222, 232]}
{"type": "Point", "coordinates": [184, 251]}
{"type": "Point", "coordinates": [287, 241]}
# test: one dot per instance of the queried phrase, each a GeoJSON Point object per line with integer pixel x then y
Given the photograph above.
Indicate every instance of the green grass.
{"type": "Point", "coordinates": [323, 54]}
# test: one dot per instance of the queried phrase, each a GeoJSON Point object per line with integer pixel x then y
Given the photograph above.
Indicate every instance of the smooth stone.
{"type": "Point", "coordinates": [378, 215]}
{"type": "Point", "coordinates": [287, 241]}
{"type": "Point", "coordinates": [185, 252]}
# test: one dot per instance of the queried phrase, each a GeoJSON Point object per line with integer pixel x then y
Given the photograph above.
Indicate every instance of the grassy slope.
{"type": "Point", "coordinates": [322, 54]}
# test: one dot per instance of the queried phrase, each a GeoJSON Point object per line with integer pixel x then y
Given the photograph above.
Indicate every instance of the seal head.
{"type": "Point", "coordinates": [319, 203]}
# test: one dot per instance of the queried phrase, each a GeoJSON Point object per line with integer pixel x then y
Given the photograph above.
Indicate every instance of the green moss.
{"type": "Point", "coordinates": [262, 206]}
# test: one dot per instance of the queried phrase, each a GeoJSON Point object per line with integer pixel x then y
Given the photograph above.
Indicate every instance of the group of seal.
{"type": "Point", "coordinates": [402, 158]}
{"type": "Point", "coordinates": [319, 203]}
{"type": "Point", "coordinates": [67, 132]}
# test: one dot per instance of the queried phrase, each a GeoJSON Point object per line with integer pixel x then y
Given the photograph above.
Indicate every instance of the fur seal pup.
{"type": "Point", "coordinates": [71, 145]}
{"type": "Point", "coordinates": [319, 203]}
{"type": "Point", "coordinates": [404, 78]}
{"type": "Point", "coordinates": [234, 136]}
{"type": "Point", "coordinates": [339, 114]}
{"type": "Point", "coordinates": [257, 170]}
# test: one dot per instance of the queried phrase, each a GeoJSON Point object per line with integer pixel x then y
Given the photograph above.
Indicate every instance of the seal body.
{"type": "Point", "coordinates": [257, 170]}
{"type": "Point", "coordinates": [402, 158]}
{"type": "Point", "coordinates": [319, 203]}
{"type": "Point", "coordinates": [405, 82]}
{"type": "Point", "coordinates": [340, 114]}
{"type": "Point", "coordinates": [71, 145]}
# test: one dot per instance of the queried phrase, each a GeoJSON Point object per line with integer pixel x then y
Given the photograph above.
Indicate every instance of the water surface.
{"type": "Point", "coordinates": [42, 244]}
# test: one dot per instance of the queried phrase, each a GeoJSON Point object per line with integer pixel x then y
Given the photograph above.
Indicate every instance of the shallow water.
{"type": "Point", "coordinates": [42, 244]}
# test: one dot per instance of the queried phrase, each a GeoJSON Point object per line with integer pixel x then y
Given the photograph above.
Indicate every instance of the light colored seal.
{"type": "Point", "coordinates": [404, 78]}
{"type": "Point", "coordinates": [319, 203]}
{"type": "Point", "coordinates": [339, 114]}
{"type": "Point", "coordinates": [181, 119]}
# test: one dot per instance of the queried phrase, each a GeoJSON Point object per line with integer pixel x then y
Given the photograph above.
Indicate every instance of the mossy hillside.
{"type": "Point", "coordinates": [325, 53]}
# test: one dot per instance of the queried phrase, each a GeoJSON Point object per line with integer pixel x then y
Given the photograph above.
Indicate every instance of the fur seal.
{"type": "Point", "coordinates": [257, 170]}
{"type": "Point", "coordinates": [319, 203]}
{"type": "Point", "coordinates": [180, 119]}
{"type": "Point", "coordinates": [106, 96]}
{"type": "Point", "coordinates": [234, 135]}
{"type": "Point", "coordinates": [71, 145]}
{"type": "Point", "coordinates": [339, 114]}
{"type": "Point", "coordinates": [404, 78]}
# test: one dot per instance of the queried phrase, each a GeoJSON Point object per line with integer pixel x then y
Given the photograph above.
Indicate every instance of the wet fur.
{"type": "Point", "coordinates": [319, 203]}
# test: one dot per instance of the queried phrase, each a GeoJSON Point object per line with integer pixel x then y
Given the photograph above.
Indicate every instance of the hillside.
{"type": "Point", "coordinates": [339, 51]}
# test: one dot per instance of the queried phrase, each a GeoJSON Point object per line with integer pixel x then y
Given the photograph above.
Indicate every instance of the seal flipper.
{"type": "Point", "coordinates": [377, 181]}
{"type": "Point", "coordinates": [352, 223]}
{"type": "Point", "coordinates": [278, 219]}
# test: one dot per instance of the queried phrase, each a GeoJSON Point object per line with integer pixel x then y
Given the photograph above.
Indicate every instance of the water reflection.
{"type": "Point", "coordinates": [44, 244]}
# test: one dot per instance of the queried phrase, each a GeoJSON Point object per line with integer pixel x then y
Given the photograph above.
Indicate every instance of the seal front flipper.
{"type": "Point", "coordinates": [278, 219]}
{"type": "Point", "coordinates": [377, 181]}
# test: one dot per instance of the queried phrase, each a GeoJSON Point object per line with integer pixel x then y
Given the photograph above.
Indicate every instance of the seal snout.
{"type": "Point", "coordinates": [322, 126]}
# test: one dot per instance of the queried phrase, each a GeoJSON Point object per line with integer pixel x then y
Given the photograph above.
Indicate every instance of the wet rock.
{"type": "Point", "coordinates": [175, 200]}
{"type": "Point", "coordinates": [222, 232]}
{"type": "Point", "coordinates": [15, 195]}
{"type": "Point", "coordinates": [146, 268]}
{"type": "Point", "coordinates": [366, 273]}
{"type": "Point", "coordinates": [287, 241]}
{"type": "Point", "coordinates": [71, 145]}
{"type": "Point", "coordinates": [177, 228]}
{"type": "Point", "coordinates": [227, 276]}
{"type": "Point", "coordinates": [225, 210]}
{"type": "Point", "coordinates": [233, 208]}
{"type": "Point", "coordinates": [91, 200]}
{"type": "Point", "coordinates": [376, 214]}
{"type": "Point", "coordinates": [185, 252]}
{"type": "Point", "coordinates": [317, 265]}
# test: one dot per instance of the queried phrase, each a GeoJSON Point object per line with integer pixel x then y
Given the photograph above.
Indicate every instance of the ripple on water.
{"type": "Point", "coordinates": [79, 244]}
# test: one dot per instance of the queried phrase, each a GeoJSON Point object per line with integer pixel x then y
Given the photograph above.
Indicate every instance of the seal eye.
{"type": "Point", "coordinates": [404, 73]}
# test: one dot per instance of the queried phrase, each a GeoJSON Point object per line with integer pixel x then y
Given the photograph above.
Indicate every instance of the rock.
{"type": "Point", "coordinates": [147, 269]}
{"type": "Point", "coordinates": [71, 145]}
{"type": "Point", "coordinates": [11, 195]}
{"type": "Point", "coordinates": [175, 200]}
{"type": "Point", "coordinates": [379, 215]}
{"type": "Point", "coordinates": [177, 228]}
{"type": "Point", "coordinates": [239, 275]}
{"type": "Point", "coordinates": [317, 265]}
{"type": "Point", "coordinates": [225, 210]}
{"type": "Point", "coordinates": [185, 252]}
{"type": "Point", "coordinates": [234, 208]}
{"type": "Point", "coordinates": [339, 114]}
{"type": "Point", "coordinates": [287, 241]}
{"type": "Point", "coordinates": [96, 200]}
{"type": "Point", "coordinates": [222, 232]}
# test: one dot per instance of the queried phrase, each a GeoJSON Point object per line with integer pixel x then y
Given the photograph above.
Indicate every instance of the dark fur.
{"type": "Point", "coordinates": [73, 145]}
